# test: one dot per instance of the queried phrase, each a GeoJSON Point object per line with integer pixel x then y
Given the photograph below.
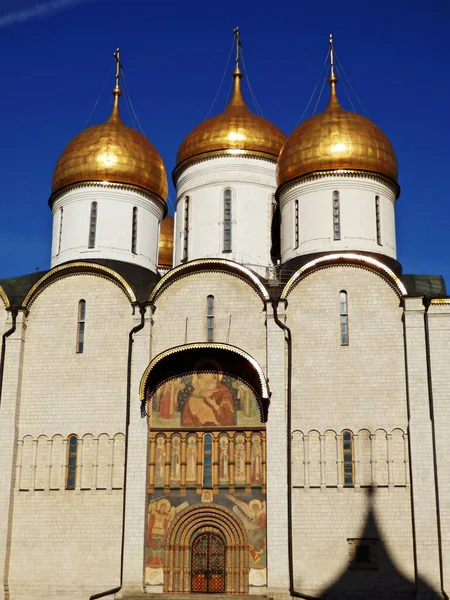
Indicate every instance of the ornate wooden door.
{"type": "Point", "coordinates": [208, 564]}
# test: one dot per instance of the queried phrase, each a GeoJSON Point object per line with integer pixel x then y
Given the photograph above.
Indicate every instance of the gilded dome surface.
{"type": "Point", "coordinates": [165, 255]}
{"type": "Point", "coordinates": [237, 130]}
{"type": "Point", "coordinates": [336, 139]}
{"type": "Point", "coordinates": [113, 153]}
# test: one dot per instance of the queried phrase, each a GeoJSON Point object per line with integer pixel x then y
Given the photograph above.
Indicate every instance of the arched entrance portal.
{"type": "Point", "coordinates": [208, 562]}
{"type": "Point", "coordinates": [207, 550]}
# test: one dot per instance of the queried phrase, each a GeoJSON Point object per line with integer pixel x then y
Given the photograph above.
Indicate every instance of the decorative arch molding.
{"type": "Point", "coordinates": [212, 265]}
{"type": "Point", "coordinates": [4, 297]}
{"type": "Point", "coordinates": [358, 260]}
{"type": "Point", "coordinates": [185, 359]}
{"type": "Point", "coordinates": [180, 535]}
{"type": "Point", "coordinates": [77, 268]}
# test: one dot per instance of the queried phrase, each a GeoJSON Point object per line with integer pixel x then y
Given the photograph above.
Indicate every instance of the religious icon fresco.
{"type": "Point", "coordinates": [204, 399]}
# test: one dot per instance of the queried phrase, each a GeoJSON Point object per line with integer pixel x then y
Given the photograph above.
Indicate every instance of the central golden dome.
{"type": "Point", "coordinates": [165, 254]}
{"type": "Point", "coordinates": [236, 131]}
{"type": "Point", "coordinates": [333, 140]}
{"type": "Point", "coordinates": [111, 153]}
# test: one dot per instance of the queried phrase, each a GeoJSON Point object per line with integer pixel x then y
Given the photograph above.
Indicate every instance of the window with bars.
{"type": "Point", "coordinates": [336, 217]}
{"type": "Point", "coordinates": [61, 217]}
{"type": "Point", "coordinates": [227, 220]}
{"type": "Point", "coordinates": [207, 460]}
{"type": "Point", "coordinates": [210, 318]}
{"type": "Point", "coordinates": [378, 219]}
{"type": "Point", "coordinates": [186, 229]}
{"type": "Point", "coordinates": [92, 225]}
{"type": "Point", "coordinates": [347, 453]}
{"type": "Point", "coordinates": [71, 471]}
{"type": "Point", "coordinates": [134, 227]}
{"type": "Point", "coordinates": [296, 222]}
{"type": "Point", "coordinates": [343, 301]}
{"type": "Point", "coordinates": [81, 325]}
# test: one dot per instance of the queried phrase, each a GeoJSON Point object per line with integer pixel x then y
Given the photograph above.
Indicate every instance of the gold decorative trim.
{"type": "Point", "coordinates": [350, 258]}
{"type": "Point", "coordinates": [235, 152]}
{"type": "Point", "coordinates": [107, 184]}
{"type": "Point", "coordinates": [440, 301]}
{"type": "Point", "coordinates": [348, 173]}
{"type": "Point", "coordinates": [208, 264]}
{"type": "Point", "coordinates": [45, 280]}
{"type": "Point", "coordinates": [198, 346]}
{"type": "Point", "coordinates": [4, 297]}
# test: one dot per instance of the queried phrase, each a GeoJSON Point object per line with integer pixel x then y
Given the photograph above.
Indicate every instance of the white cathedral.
{"type": "Point", "coordinates": [247, 398]}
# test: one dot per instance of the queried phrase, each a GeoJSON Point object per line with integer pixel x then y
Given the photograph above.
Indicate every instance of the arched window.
{"type": "Point", "coordinates": [377, 218]}
{"type": "Point", "coordinates": [343, 302]}
{"type": "Point", "coordinates": [71, 471]}
{"type": "Point", "coordinates": [61, 217]}
{"type": "Point", "coordinates": [227, 220]}
{"type": "Point", "coordinates": [93, 225]}
{"type": "Point", "coordinates": [210, 318]}
{"type": "Point", "coordinates": [186, 229]}
{"type": "Point", "coordinates": [347, 454]}
{"type": "Point", "coordinates": [336, 217]}
{"type": "Point", "coordinates": [134, 227]}
{"type": "Point", "coordinates": [81, 325]}
{"type": "Point", "coordinates": [207, 460]}
{"type": "Point", "coordinates": [296, 225]}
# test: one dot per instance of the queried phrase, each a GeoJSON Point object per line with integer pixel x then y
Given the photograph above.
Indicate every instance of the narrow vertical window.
{"type": "Point", "coordinates": [344, 318]}
{"type": "Point", "coordinates": [61, 217]}
{"type": "Point", "coordinates": [377, 218]}
{"type": "Point", "coordinates": [296, 233]}
{"type": "Point", "coordinates": [81, 324]}
{"type": "Point", "coordinates": [71, 472]}
{"type": "Point", "coordinates": [207, 460]}
{"type": "Point", "coordinates": [336, 217]}
{"type": "Point", "coordinates": [210, 318]}
{"type": "Point", "coordinates": [186, 230]}
{"type": "Point", "coordinates": [227, 221]}
{"type": "Point", "coordinates": [134, 226]}
{"type": "Point", "coordinates": [347, 453]}
{"type": "Point", "coordinates": [92, 225]}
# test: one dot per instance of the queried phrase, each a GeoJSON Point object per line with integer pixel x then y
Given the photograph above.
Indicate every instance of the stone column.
{"type": "Point", "coordinates": [277, 524]}
{"type": "Point", "coordinates": [421, 450]}
{"type": "Point", "coordinates": [136, 495]}
{"type": "Point", "coordinates": [9, 421]}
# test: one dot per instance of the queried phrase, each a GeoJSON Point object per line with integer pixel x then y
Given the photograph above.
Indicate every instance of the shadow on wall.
{"type": "Point", "coordinates": [372, 574]}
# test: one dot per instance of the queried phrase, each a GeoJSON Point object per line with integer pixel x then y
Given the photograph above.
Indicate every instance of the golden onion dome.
{"type": "Point", "coordinates": [111, 153]}
{"type": "Point", "coordinates": [165, 255]}
{"type": "Point", "coordinates": [336, 139]}
{"type": "Point", "coordinates": [236, 131]}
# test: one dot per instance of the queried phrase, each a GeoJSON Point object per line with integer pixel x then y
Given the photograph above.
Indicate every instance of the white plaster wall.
{"type": "Point", "coordinates": [253, 185]}
{"type": "Point", "coordinates": [357, 214]}
{"type": "Point", "coordinates": [114, 226]}
{"type": "Point", "coordinates": [239, 317]}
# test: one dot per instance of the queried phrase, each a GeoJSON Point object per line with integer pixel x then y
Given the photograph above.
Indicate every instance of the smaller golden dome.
{"type": "Point", "coordinates": [165, 256]}
{"type": "Point", "coordinates": [236, 131]}
{"type": "Point", "coordinates": [333, 140]}
{"type": "Point", "coordinates": [112, 153]}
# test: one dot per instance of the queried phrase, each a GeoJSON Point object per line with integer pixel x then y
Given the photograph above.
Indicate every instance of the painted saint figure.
{"type": "Point", "coordinates": [210, 403]}
{"type": "Point", "coordinates": [160, 459]}
{"type": "Point", "coordinates": [223, 462]}
{"type": "Point", "coordinates": [169, 398]}
{"type": "Point", "coordinates": [191, 459]}
{"type": "Point", "coordinates": [160, 515]}
{"type": "Point", "coordinates": [253, 515]}
{"type": "Point", "coordinates": [175, 459]}
{"type": "Point", "coordinates": [239, 459]}
{"type": "Point", "coordinates": [256, 459]}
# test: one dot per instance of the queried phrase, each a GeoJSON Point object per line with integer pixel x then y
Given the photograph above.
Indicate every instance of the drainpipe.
{"type": "Point", "coordinates": [427, 303]}
{"type": "Point", "coordinates": [135, 329]}
{"type": "Point", "coordinates": [288, 338]}
{"type": "Point", "coordinates": [14, 312]}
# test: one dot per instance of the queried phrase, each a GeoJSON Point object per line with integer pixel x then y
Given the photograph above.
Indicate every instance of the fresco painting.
{"type": "Point", "coordinates": [204, 399]}
{"type": "Point", "coordinates": [248, 508]}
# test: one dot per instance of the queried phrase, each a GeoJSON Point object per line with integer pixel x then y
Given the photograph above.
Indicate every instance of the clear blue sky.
{"type": "Point", "coordinates": [395, 53]}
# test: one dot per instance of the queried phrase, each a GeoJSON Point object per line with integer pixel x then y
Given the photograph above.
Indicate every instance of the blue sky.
{"type": "Point", "coordinates": [55, 62]}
